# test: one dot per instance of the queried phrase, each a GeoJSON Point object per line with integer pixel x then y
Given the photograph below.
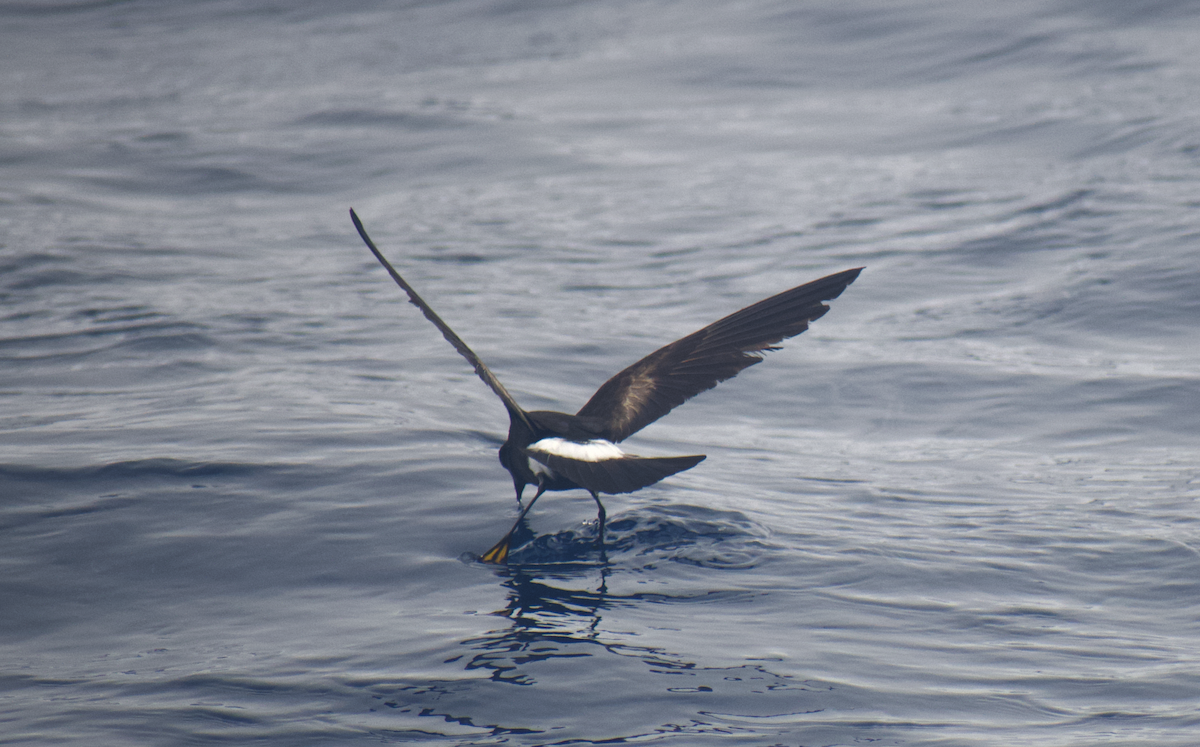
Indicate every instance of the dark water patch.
{"type": "Point", "coordinates": [1055, 204]}
{"type": "Point", "coordinates": [159, 468]}
{"type": "Point", "coordinates": [27, 260]}
{"type": "Point", "coordinates": [132, 329]}
{"type": "Point", "coordinates": [1136, 12]}
{"type": "Point", "coordinates": [412, 121]}
{"type": "Point", "coordinates": [53, 492]}
{"type": "Point", "coordinates": [61, 8]}
{"type": "Point", "coordinates": [1131, 136]}
{"type": "Point", "coordinates": [456, 258]}
{"type": "Point", "coordinates": [116, 314]}
{"type": "Point", "coordinates": [51, 277]}
{"type": "Point", "coordinates": [116, 344]}
{"type": "Point", "coordinates": [181, 180]}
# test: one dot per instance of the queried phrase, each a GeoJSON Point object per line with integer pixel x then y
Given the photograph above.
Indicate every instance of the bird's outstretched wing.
{"type": "Point", "coordinates": [514, 410]}
{"type": "Point", "coordinates": [673, 374]}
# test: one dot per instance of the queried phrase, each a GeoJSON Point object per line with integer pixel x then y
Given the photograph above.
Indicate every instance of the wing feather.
{"type": "Point", "coordinates": [481, 370]}
{"type": "Point", "coordinates": [671, 375]}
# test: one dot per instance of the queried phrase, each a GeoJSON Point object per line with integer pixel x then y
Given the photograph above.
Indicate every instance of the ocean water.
{"type": "Point", "coordinates": [242, 479]}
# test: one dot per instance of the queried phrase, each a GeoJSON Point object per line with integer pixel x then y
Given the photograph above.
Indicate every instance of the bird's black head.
{"type": "Point", "coordinates": [511, 461]}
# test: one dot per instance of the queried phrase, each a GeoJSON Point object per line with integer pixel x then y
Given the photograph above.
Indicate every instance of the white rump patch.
{"type": "Point", "coordinates": [598, 450]}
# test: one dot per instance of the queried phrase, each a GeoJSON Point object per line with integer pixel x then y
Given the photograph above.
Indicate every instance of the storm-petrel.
{"type": "Point", "coordinates": [557, 451]}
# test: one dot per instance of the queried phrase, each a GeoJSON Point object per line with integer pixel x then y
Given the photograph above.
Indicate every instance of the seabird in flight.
{"type": "Point", "coordinates": [557, 451]}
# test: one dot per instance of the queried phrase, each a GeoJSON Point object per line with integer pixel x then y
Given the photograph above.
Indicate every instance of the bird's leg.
{"type": "Point", "coordinates": [600, 519]}
{"type": "Point", "coordinates": [499, 552]}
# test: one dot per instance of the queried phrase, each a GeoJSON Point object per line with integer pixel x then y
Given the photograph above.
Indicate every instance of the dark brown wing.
{"type": "Point", "coordinates": [671, 375]}
{"type": "Point", "coordinates": [485, 373]}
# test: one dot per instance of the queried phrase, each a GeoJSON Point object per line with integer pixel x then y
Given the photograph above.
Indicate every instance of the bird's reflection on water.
{"type": "Point", "coordinates": [571, 613]}
{"type": "Point", "coordinates": [546, 622]}
{"type": "Point", "coordinates": [551, 616]}
{"type": "Point", "coordinates": [551, 622]}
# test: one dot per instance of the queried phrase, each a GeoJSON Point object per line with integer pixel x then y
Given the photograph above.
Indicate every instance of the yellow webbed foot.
{"type": "Point", "coordinates": [499, 553]}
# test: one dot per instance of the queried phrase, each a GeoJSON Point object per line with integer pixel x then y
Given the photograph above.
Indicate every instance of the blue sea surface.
{"type": "Point", "coordinates": [243, 481]}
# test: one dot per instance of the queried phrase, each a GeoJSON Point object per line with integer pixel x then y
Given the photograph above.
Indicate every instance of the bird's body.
{"type": "Point", "coordinates": [559, 451]}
